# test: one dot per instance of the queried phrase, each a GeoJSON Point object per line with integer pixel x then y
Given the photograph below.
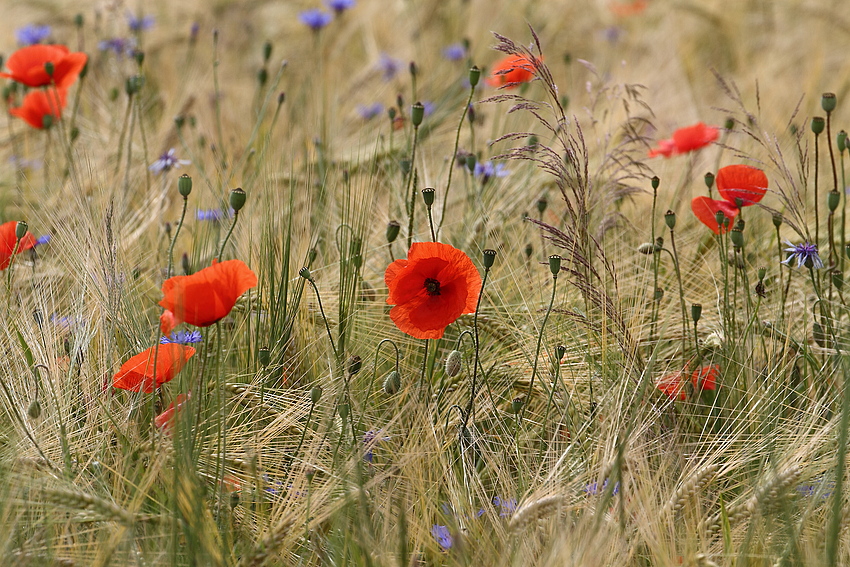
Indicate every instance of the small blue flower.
{"type": "Point", "coordinates": [443, 536]}
{"type": "Point", "coordinates": [340, 6]}
{"type": "Point", "coordinates": [454, 52]}
{"type": "Point", "coordinates": [370, 439]}
{"type": "Point", "coordinates": [315, 19]}
{"type": "Point", "coordinates": [429, 108]}
{"type": "Point", "coordinates": [507, 507]}
{"type": "Point", "coordinates": [182, 338]}
{"type": "Point", "coordinates": [594, 488]}
{"type": "Point", "coordinates": [369, 111]}
{"type": "Point", "coordinates": [121, 46]}
{"type": "Point", "coordinates": [488, 170]}
{"type": "Point", "coordinates": [137, 25]}
{"type": "Point", "coordinates": [389, 66]}
{"type": "Point", "coordinates": [43, 239]}
{"type": "Point", "coordinates": [167, 162]}
{"type": "Point", "coordinates": [212, 215]}
{"type": "Point", "coordinates": [806, 255]}
{"type": "Point", "coordinates": [32, 34]}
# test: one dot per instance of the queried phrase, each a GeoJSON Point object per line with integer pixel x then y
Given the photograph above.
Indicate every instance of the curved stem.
{"type": "Point", "coordinates": [470, 407]}
{"type": "Point", "coordinates": [227, 236]}
{"type": "Point", "coordinates": [454, 157]}
{"type": "Point", "coordinates": [174, 239]}
{"type": "Point", "coordinates": [539, 343]}
{"type": "Point", "coordinates": [324, 318]}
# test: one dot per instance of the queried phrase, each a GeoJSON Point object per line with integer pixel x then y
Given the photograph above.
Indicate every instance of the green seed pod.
{"type": "Point", "coordinates": [417, 113]}
{"type": "Point", "coordinates": [267, 51]}
{"type": "Point", "coordinates": [34, 411]}
{"type": "Point", "coordinates": [262, 77]}
{"type": "Point", "coordinates": [453, 363]}
{"type": "Point", "coordinates": [474, 76]}
{"type": "Point", "coordinates": [393, 228]}
{"type": "Point", "coordinates": [529, 250]}
{"type": "Point", "coordinates": [827, 102]}
{"type": "Point", "coordinates": [560, 351]}
{"type": "Point", "coordinates": [316, 394]}
{"type": "Point", "coordinates": [471, 160]}
{"type": "Point", "coordinates": [489, 256]}
{"type": "Point", "coordinates": [737, 238]}
{"type": "Point", "coordinates": [818, 124]}
{"type": "Point", "coordinates": [264, 356]}
{"type": "Point", "coordinates": [78, 20]}
{"type": "Point", "coordinates": [237, 199]}
{"type": "Point", "coordinates": [184, 185]}
{"type": "Point", "coordinates": [542, 203]}
{"type": "Point", "coordinates": [21, 229]}
{"type": "Point", "coordinates": [428, 195]}
{"type": "Point", "coordinates": [709, 180]}
{"type": "Point", "coordinates": [659, 294]}
{"type": "Point", "coordinates": [516, 405]}
{"type": "Point", "coordinates": [392, 383]}
{"type": "Point", "coordinates": [841, 140]}
{"type": "Point", "coordinates": [761, 273]}
{"type": "Point", "coordinates": [696, 312]}
{"type": "Point", "coordinates": [670, 219]}
{"type": "Point", "coordinates": [655, 182]}
{"type": "Point", "coordinates": [729, 124]}
{"type": "Point", "coordinates": [777, 220]}
{"type": "Point", "coordinates": [305, 273]}
{"type": "Point", "coordinates": [342, 410]}
{"type": "Point", "coordinates": [719, 217]}
{"type": "Point", "coordinates": [838, 279]}
{"type": "Point", "coordinates": [833, 198]}
{"type": "Point", "coordinates": [46, 121]}
{"type": "Point", "coordinates": [554, 264]}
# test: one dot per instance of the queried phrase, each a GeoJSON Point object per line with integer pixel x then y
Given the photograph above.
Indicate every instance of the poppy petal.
{"type": "Point", "coordinates": [138, 373]}
{"type": "Point", "coordinates": [706, 208]}
{"type": "Point", "coordinates": [744, 182]}
{"type": "Point", "coordinates": [512, 70]}
{"type": "Point", "coordinates": [8, 239]}
{"type": "Point", "coordinates": [705, 378]}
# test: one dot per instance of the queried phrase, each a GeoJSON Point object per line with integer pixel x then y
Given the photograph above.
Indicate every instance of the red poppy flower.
{"type": "Point", "coordinates": [38, 104]}
{"type": "Point", "coordinates": [206, 296]}
{"type": "Point", "coordinates": [165, 420]}
{"type": "Point", "coordinates": [512, 70]}
{"type": "Point", "coordinates": [671, 385]}
{"type": "Point", "coordinates": [749, 184]}
{"type": "Point", "coordinates": [8, 240]}
{"type": "Point", "coordinates": [705, 209]}
{"type": "Point", "coordinates": [705, 378]}
{"type": "Point", "coordinates": [26, 66]}
{"type": "Point", "coordinates": [623, 9]}
{"type": "Point", "coordinates": [686, 140]}
{"type": "Point", "coordinates": [138, 373]}
{"type": "Point", "coordinates": [431, 289]}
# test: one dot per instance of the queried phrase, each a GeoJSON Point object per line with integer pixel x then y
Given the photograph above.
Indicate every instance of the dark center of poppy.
{"type": "Point", "coordinates": [432, 286]}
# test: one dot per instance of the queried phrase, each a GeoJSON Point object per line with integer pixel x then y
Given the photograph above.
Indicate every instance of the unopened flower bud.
{"type": "Point", "coordinates": [34, 411]}
{"type": "Point", "coordinates": [833, 198]}
{"type": "Point", "coordinates": [237, 199]}
{"type": "Point", "coordinates": [355, 363]}
{"type": "Point", "coordinates": [827, 102]}
{"type": "Point", "coordinates": [489, 256]}
{"type": "Point", "coordinates": [78, 20]}
{"type": "Point", "coordinates": [262, 76]}
{"type": "Point", "coordinates": [414, 70]}
{"type": "Point", "coordinates": [316, 394]}
{"type": "Point", "coordinates": [417, 113]}
{"type": "Point", "coordinates": [838, 279]}
{"type": "Point", "coordinates": [817, 125]}
{"type": "Point", "coordinates": [696, 312]}
{"type": "Point", "coordinates": [646, 248]}
{"type": "Point", "coordinates": [187, 266]}
{"type": "Point", "coordinates": [392, 383]}
{"type": "Point", "coordinates": [670, 219]}
{"type": "Point", "coordinates": [139, 56]}
{"type": "Point", "coordinates": [393, 228]}
{"type": "Point", "coordinates": [428, 195]}
{"type": "Point", "coordinates": [281, 97]}
{"type": "Point", "coordinates": [560, 351]}
{"type": "Point", "coordinates": [21, 229]}
{"type": "Point", "coordinates": [264, 356]}
{"type": "Point", "coordinates": [659, 294]}
{"type": "Point", "coordinates": [46, 121]}
{"type": "Point", "coordinates": [453, 363]}
{"type": "Point", "coordinates": [342, 410]}
{"type": "Point", "coordinates": [267, 51]}
{"type": "Point", "coordinates": [474, 76]}
{"type": "Point", "coordinates": [516, 405]}
{"type": "Point", "coordinates": [542, 203]}
{"type": "Point", "coordinates": [184, 185]}
{"type": "Point", "coordinates": [529, 250]}
{"type": "Point", "coordinates": [729, 124]}
{"type": "Point", "coordinates": [554, 264]}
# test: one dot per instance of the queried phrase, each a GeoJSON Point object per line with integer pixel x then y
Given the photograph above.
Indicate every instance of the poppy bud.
{"type": "Point", "coordinates": [281, 97]}
{"type": "Point", "coordinates": [837, 279]}
{"type": "Point", "coordinates": [237, 199]}
{"type": "Point", "coordinates": [646, 248]}
{"type": "Point", "coordinates": [264, 355]}
{"type": "Point", "coordinates": [417, 113]}
{"type": "Point", "coordinates": [311, 255]}
{"type": "Point", "coordinates": [184, 185]}
{"type": "Point", "coordinates": [305, 273]}
{"type": "Point", "coordinates": [391, 112]}
{"type": "Point", "coordinates": [737, 238]}
{"type": "Point", "coordinates": [470, 113]}
{"type": "Point", "coordinates": [414, 70]}
{"type": "Point", "coordinates": [392, 383]}
{"type": "Point", "coordinates": [139, 56]}
{"type": "Point", "coordinates": [659, 294]}
{"type": "Point", "coordinates": [560, 351]}
{"type": "Point", "coordinates": [819, 335]}
{"type": "Point", "coordinates": [529, 249]}
{"type": "Point", "coordinates": [696, 312]}
{"type": "Point", "coordinates": [355, 363]}
{"type": "Point", "coordinates": [471, 160]}
{"type": "Point", "coordinates": [474, 76]}
{"type": "Point", "coordinates": [761, 273]}
{"type": "Point", "coordinates": [267, 51]}
{"type": "Point", "coordinates": [168, 230]}
{"type": "Point", "coordinates": [75, 133]}
{"type": "Point", "coordinates": [316, 394]}
{"type": "Point", "coordinates": [841, 140]}
{"type": "Point", "coordinates": [489, 258]}
{"type": "Point", "coordinates": [832, 200]}
{"type": "Point", "coordinates": [179, 121]}
{"type": "Point", "coordinates": [516, 405]}
{"type": "Point", "coordinates": [659, 244]}
{"type": "Point", "coordinates": [777, 220]}
{"type": "Point", "coordinates": [49, 68]}
{"type": "Point", "coordinates": [817, 125]}
{"type": "Point", "coordinates": [554, 264]}
{"type": "Point", "coordinates": [542, 203]}
{"type": "Point", "coordinates": [709, 180]}
{"type": "Point", "coordinates": [46, 121]}
{"type": "Point", "coordinates": [393, 228]}
{"type": "Point", "coordinates": [655, 182]}
{"type": "Point", "coordinates": [262, 76]}
{"type": "Point", "coordinates": [78, 20]}
{"type": "Point", "coordinates": [670, 219]}
{"type": "Point", "coordinates": [827, 102]}
{"type": "Point", "coordinates": [453, 363]}
{"type": "Point", "coordinates": [729, 124]}
{"type": "Point", "coordinates": [342, 410]}
{"type": "Point", "coordinates": [533, 141]}
{"type": "Point", "coordinates": [405, 166]}
{"type": "Point", "coordinates": [34, 411]}
{"type": "Point", "coordinates": [84, 71]}
{"type": "Point", "coordinates": [21, 229]}
{"type": "Point", "coordinates": [428, 196]}
{"type": "Point", "coordinates": [187, 267]}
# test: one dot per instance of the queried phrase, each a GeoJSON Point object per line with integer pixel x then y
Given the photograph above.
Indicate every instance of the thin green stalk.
{"type": "Point", "coordinates": [454, 157]}
{"type": "Point", "coordinates": [121, 136]}
{"type": "Point", "coordinates": [322, 311]}
{"type": "Point", "coordinates": [227, 236]}
{"type": "Point", "coordinates": [675, 256]}
{"type": "Point", "coordinates": [471, 405]}
{"type": "Point", "coordinates": [217, 104]}
{"type": "Point", "coordinates": [174, 239]}
{"type": "Point", "coordinates": [817, 198]}
{"type": "Point", "coordinates": [411, 188]}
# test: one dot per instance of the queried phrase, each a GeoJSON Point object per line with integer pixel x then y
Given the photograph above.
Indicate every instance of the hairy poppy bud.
{"type": "Point", "coordinates": [838, 279]}
{"type": "Point", "coordinates": [392, 383]}
{"type": "Point", "coordinates": [655, 182]}
{"type": "Point", "coordinates": [417, 113]}
{"type": "Point", "coordinates": [355, 363]}
{"type": "Point", "coordinates": [817, 125]}
{"type": "Point", "coordinates": [554, 264]}
{"type": "Point", "coordinates": [262, 76]}
{"type": "Point", "coordinates": [777, 220]}
{"type": "Point", "coordinates": [761, 273]}
{"type": "Point", "coordinates": [78, 20]}
{"type": "Point", "coordinates": [21, 229]}
{"type": "Point", "coordinates": [237, 199]}
{"type": "Point", "coordinates": [414, 70]}
{"type": "Point", "coordinates": [453, 363]}
{"type": "Point", "coordinates": [832, 200]}
{"type": "Point", "coordinates": [305, 273]}
{"type": "Point", "coordinates": [841, 140]}
{"type": "Point", "coordinates": [827, 102]}
{"type": "Point", "coordinates": [560, 351]}
{"type": "Point", "coordinates": [264, 356]}
{"type": "Point", "coordinates": [696, 312]}
{"type": "Point", "coordinates": [516, 405]}
{"type": "Point", "coordinates": [474, 76]}
{"type": "Point", "coordinates": [729, 124]}
{"type": "Point", "coordinates": [342, 410]}
{"type": "Point", "coordinates": [267, 51]}
{"type": "Point", "coordinates": [34, 411]}
{"type": "Point", "coordinates": [709, 180]}
{"type": "Point", "coordinates": [489, 258]}
{"type": "Point", "coordinates": [316, 394]}
{"type": "Point", "coordinates": [428, 195]}
{"type": "Point", "coordinates": [529, 250]}
{"type": "Point", "coordinates": [670, 219]}
{"type": "Point", "coordinates": [184, 185]}
{"type": "Point", "coordinates": [542, 203]}
{"type": "Point", "coordinates": [139, 56]}
{"type": "Point", "coordinates": [393, 228]}
{"type": "Point", "coordinates": [646, 248]}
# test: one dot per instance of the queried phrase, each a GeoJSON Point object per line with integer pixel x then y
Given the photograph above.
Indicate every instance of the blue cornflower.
{"type": "Point", "coordinates": [212, 215]}
{"type": "Point", "coordinates": [340, 6]}
{"type": "Point", "coordinates": [487, 170]}
{"type": "Point", "coordinates": [43, 239]}
{"type": "Point", "coordinates": [806, 255]}
{"type": "Point", "coordinates": [31, 34]}
{"type": "Point", "coordinates": [370, 439]}
{"type": "Point", "coordinates": [139, 24]}
{"type": "Point", "coordinates": [182, 338]}
{"type": "Point", "coordinates": [594, 488]}
{"type": "Point", "coordinates": [369, 111]}
{"type": "Point", "coordinates": [121, 46]}
{"type": "Point", "coordinates": [167, 162]}
{"type": "Point", "coordinates": [389, 66]}
{"type": "Point", "coordinates": [315, 19]}
{"type": "Point", "coordinates": [443, 536]}
{"type": "Point", "coordinates": [454, 52]}
{"type": "Point", "coordinates": [429, 108]}
{"type": "Point", "coordinates": [508, 506]}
